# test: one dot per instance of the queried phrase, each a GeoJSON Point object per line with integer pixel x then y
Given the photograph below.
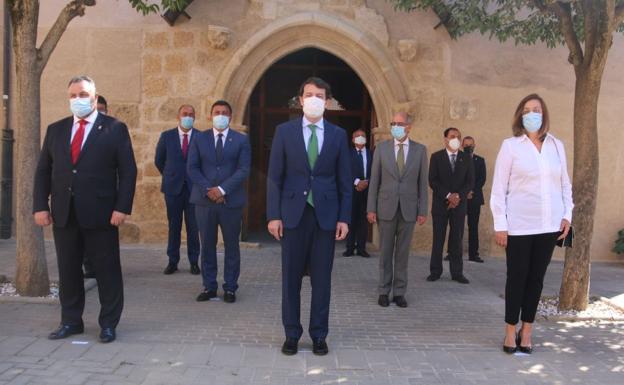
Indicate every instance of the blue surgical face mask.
{"type": "Point", "coordinates": [532, 121]}
{"type": "Point", "coordinates": [220, 122]}
{"type": "Point", "coordinates": [398, 132]}
{"type": "Point", "coordinates": [80, 107]}
{"type": "Point", "coordinates": [187, 122]}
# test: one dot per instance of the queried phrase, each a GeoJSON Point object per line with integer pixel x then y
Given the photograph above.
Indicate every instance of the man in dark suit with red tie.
{"type": "Point", "coordinates": [170, 159]}
{"type": "Point", "coordinates": [361, 162]}
{"type": "Point", "coordinates": [87, 170]}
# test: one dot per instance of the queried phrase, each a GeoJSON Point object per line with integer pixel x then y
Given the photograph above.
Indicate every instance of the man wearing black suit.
{"type": "Point", "coordinates": [87, 167]}
{"type": "Point", "coordinates": [451, 177]}
{"type": "Point", "coordinates": [218, 165]}
{"type": "Point", "coordinates": [361, 162]}
{"type": "Point", "coordinates": [170, 159]}
{"type": "Point", "coordinates": [475, 199]}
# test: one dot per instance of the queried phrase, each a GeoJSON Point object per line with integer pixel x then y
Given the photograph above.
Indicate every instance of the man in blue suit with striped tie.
{"type": "Point", "coordinates": [308, 209]}
{"type": "Point", "coordinates": [170, 159]}
{"type": "Point", "coordinates": [218, 165]}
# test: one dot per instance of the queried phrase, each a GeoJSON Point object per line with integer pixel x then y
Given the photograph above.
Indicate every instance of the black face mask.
{"type": "Point", "coordinates": [469, 150]}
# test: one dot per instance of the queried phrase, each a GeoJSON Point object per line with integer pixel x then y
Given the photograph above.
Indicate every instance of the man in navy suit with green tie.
{"type": "Point", "coordinates": [308, 209]}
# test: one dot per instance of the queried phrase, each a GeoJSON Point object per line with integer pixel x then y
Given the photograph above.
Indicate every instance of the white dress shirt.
{"type": "Point", "coordinates": [405, 145]}
{"type": "Point", "coordinates": [357, 180]}
{"type": "Point", "coordinates": [531, 191]}
{"type": "Point", "coordinates": [449, 153]}
{"type": "Point", "coordinates": [216, 138]}
{"type": "Point", "coordinates": [307, 133]}
{"type": "Point", "coordinates": [90, 120]}
{"type": "Point", "coordinates": [182, 133]}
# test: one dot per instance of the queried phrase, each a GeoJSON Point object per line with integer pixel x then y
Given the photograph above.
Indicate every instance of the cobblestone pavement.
{"type": "Point", "coordinates": [449, 334]}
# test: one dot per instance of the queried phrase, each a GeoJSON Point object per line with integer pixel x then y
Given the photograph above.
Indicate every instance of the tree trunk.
{"type": "Point", "coordinates": [31, 276]}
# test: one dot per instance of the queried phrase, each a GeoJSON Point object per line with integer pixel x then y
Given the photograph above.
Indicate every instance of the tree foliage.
{"type": "Point", "coordinates": [147, 7]}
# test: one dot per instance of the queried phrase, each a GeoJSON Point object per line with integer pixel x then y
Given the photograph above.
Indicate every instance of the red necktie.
{"type": "Point", "coordinates": [184, 145]}
{"type": "Point", "coordinates": [76, 143]}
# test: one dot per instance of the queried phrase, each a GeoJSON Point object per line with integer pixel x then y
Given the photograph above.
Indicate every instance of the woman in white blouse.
{"type": "Point", "coordinates": [531, 204]}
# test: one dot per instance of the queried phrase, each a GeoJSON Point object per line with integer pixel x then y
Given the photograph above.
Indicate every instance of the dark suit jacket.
{"type": "Point", "coordinates": [443, 181]}
{"type": "Point", "coordinates": [230, 173]}
{"type": "Point", "coordinates": [102, 180]}
{"type": "Point", "coordinates": [355, 165]}
{"type": "Point", "coordinates": [480, 174]}
{"type": "Point", "coordinates": [290, 177]}
{"type": "Point", "coordinates": [171, 163]}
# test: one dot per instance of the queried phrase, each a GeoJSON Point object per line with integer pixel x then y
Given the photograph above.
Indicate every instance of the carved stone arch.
{"type": "Point", "coordinates": [361, 51]}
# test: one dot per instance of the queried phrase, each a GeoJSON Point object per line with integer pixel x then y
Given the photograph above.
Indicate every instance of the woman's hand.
{"type": "Point", "coordinates": [564, 228]}
{"type": "Point", "coordinates": [501, 238]}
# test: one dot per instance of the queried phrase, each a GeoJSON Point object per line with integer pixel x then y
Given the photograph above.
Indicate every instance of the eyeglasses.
{"type": "Point", "coordinates": [402, 124]}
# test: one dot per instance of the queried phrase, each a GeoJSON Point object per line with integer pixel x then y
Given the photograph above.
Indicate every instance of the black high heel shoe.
{"type": "Point", "coordinates": [523, 349]}
{"type": "Point", "coordinates": [509, 349]}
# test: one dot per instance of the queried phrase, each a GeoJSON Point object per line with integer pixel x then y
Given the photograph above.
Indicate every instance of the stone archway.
{"type": "Point", "coordinates": [363, 52]}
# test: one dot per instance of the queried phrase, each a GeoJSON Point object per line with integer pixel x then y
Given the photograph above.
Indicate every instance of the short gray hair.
{"type": "Point", "coordinates": [80, 79]}
{"type": "Point", "coordinates": [408, 117]}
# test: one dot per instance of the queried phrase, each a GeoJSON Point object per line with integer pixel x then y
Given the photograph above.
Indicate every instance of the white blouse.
{"type": "Point", "coordinates": [531, 191]}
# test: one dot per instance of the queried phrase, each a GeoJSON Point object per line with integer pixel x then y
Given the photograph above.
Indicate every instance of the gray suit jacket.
{"type": "Point", "coordinates": [387, 188]}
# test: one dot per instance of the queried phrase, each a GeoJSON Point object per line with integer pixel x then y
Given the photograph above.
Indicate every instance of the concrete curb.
{"type": "Point", "coordinates": [89, 284]}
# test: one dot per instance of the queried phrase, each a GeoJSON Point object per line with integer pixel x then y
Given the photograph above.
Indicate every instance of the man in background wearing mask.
{"type": "Point", "coordinates": [218, 165]}
{"type": "Point", "coordinates": [308, 209]}
{"type": "Point", "coordinates": [475, 199]}
{"type": "Point", "coordinates": [397, 200]}
{"type": "Point", "coordinates": [87, 170]}
{"type": "Point", "coordinates": [170, 160]}
{"type": "Point", "coordinates": [102, 105]}
{"type": "Point", "coordinates": [361, 161]}
{"type": "Point", "coordinates": [451, 177]}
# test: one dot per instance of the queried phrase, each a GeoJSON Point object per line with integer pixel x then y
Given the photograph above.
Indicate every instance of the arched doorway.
{"type": "Point", "coordinates": [274, 101]}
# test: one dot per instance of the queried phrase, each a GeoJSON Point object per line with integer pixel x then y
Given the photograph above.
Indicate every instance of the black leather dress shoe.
{"type": "Point", "coordinates": [170, 269]}
{"type": "Point", "coordinates": [476, 259]}
{"type": "Point", "coordinates": [363, 254]}
{"type": "Point", "coordinates": [432, 278]}
{"type": "Point", "coordinates": [206, 295]}
{"type": "Point", "coordinates": [107, 335]}
{"type": "Point", "coordinates": [194, 269]}
{"type": "Point", "coordinates": [400, 301]}
{"type": "Point", "coordinates": [229, 297]}
{"type": "Point", "coordinates": [348, 253]}
{"type": "Point", "coordinates": [383, 301]}
{"type": "Point", "coordinates": [290, 346]}
{"type": "Point", "coordinates": [461, 279]}
{"type": "Point", "coordinates": [64, 331]}
{"type": "Point", "coordinates": [319, 347]}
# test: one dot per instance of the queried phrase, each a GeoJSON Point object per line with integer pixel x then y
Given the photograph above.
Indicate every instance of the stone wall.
{"type": "Point", "coordinates": [146, 69]}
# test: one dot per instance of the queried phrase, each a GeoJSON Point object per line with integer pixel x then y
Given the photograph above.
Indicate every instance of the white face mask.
{"type": "Point", "coordinates": [454, 144]}
{"type": "Point", "coordinates": [360, 140]}
{"type": "Point", "coordinates": [313, 107]}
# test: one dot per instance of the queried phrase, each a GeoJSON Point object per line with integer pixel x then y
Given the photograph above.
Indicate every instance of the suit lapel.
{"type": "Point", "coordinates": [411, 157]}
{"type": "Point", "coordinates": [328, 135]}
{"type": "Point", "coordinates": [95, 132]}
{"type": "Point", "coordinates": [391, 159]}
{"type": "Point", "coordinates": [66, 139]}
{"type": "Point", "coordinates": [298, 134]}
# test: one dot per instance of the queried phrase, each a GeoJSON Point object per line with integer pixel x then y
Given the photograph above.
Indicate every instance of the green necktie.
{"type": "Point", "coordinates": [401, 159]}
{"type": "Point", "coordinates": [312, 156]}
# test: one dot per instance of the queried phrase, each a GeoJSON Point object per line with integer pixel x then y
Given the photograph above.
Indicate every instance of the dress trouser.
{"type": "Point", "coordinates": [307, 244]}
{"type": "Point", "coordinates": [395, 240]}
{"type": "Point", "coordinates": [454, 218]}
{"type": "Point", "coordinates": [528, 257]}
{"type": "Point", "coordinates": [358, 231]}
{"type": "Point", "coordinates": [209, 219]}
{"type": "Point", "coordinates": [179, 208]}
{"type": "Point", "coordinates": [473, 214]}
{"type": "Point", "coordinates": [102, 247]}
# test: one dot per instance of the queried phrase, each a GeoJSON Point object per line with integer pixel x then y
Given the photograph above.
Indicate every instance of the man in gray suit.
{"type": "Point", "coordinates": [397, 200]}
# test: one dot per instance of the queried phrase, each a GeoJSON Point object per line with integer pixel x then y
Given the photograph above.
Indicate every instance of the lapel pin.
{"type": "Point", "coordinates": [99, 127]}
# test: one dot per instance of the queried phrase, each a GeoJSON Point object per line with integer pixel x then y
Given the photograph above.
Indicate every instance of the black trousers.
{"type": "Point", "coordinates": [307, 245]}
{"type": "Point", "coordinates": [528, 257]}
{"type": "Point", "coordinates": [358, 231]}
{"type": "Point", "coordinates": [473, 214]}
{"type": "Point", "coordinates": [454, 219]}
{"type": "Point", "coordinates": [102, 247]}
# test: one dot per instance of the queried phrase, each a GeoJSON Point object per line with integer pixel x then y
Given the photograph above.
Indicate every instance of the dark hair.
{"type": "Point", "coordinates": [102, 100]}
{"type": "Point", "coordinates": [221, 103]}
{"type": "Point", "coordinates": [184, 106]}
{"type": "Point", "coordinates": [468, 137]}
{"type": "Point", "coordinates": [320, 83]}
{"type": "Point", "coordinates": [451, 129]}
{"type": "Point", "coordinates": [518, 128]}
